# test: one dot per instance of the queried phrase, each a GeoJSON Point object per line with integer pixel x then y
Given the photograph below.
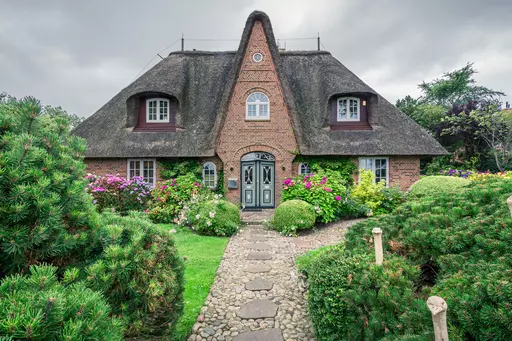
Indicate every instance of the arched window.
{"type": "Point", "coordinates": [304, 169]}
{"type": "Point", "coordinates": [209, 175]}
{"type": "Point", "coordinates": [257, 107]}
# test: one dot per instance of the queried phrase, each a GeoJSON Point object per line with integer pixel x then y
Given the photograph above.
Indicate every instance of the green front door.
{"type": "Point", "coordinates": [258, 181]}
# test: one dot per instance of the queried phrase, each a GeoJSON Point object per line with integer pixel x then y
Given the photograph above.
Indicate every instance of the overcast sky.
{"type": "Point", "coordinates": [79, 54]}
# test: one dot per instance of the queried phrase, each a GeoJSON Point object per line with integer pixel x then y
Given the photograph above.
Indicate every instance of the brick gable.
{"type": "Point", "coordinates": [275, 136]}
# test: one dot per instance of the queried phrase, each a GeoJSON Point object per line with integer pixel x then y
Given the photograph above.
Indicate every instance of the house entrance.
{"type": "Point", "coordinates": [258, 180]}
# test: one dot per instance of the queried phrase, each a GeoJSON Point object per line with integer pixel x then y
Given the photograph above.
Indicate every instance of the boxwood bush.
{"type": "Point", "coordinates": [430, 185]}
{"type": "Point", "coordinates": [140, 273]}
{"type": "Point", "coordinates": [292, 216]}
{"type": "Point", "coordinates": [39, 307]}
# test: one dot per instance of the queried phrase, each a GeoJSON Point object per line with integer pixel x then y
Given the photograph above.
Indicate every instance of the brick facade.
{"type": "Point", "coordinates": [275, 135]}
{"type": "Point", "coordinates": [106, 166]}
{"type": "Point", "coordinates": [404, 171]}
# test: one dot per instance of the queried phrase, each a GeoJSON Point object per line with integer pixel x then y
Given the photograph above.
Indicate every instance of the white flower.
{"type": "Point", "coordinates": [216, 202]}
{"type": "Point", "coordinates": [216, 196]}
{"type": "Point", "coordinates": [370, 213]}
{"type": "Point", "coordinates": [198, 216]}
{"type": "Point", "coordinates": [172, 231]}
{"type": "Point", "coordinates": [212, 214]}
{"type": "Point", "coordinates": [209, 223]}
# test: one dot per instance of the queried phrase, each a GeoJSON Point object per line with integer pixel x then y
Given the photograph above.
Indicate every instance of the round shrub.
{"type": "Point", "coordinates": [217, 217]}
{"type": "Point", "coordinates": [433, 185]}
{"type": "Point", "coordinates": [140, 273]}
{"type": "Point", "coordinates": [38, 307]}
{"type": "Point", "coordinates": [351, 298]}
{"type": "Point", "coordinates": [292, 216]}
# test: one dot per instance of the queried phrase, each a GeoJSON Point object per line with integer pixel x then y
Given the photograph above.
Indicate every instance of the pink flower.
{"type": "Point", "coordinates": [164, 187]}
{"type": "Point", "coordinates": [308, 185]}
{"type": "Point", "coordinates": [287, 181]}
{"type": "Point", "coordinates": [324, 180]}
{"type": "Point", "coordinates": [338, 198]}
{"type": "Point", "coordinates": [327, 189]}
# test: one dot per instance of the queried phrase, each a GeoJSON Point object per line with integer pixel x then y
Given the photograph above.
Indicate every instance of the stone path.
{"type": "Point", "coordinates": [257, 294]}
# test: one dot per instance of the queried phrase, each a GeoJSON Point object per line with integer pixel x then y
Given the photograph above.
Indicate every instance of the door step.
{"type": "Point", "coordinates": [256, 216]}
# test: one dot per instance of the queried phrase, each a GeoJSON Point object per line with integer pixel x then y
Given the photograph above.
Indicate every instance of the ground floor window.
{"type": "Point", "coordinates": [209, 175]}
{"type": "Point", "coordinates": [142, 167]}
{"type": "Point", "coordinates": [378, 165]}
{"type": "Point", "coordinates": [304, 169]}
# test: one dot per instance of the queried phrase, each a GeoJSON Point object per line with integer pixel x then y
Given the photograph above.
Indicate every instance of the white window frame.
{"type": "Point", "coordinates": [299, 171]}
{"type": "Point", "coordinates": [210, 164]}
{"type": "Point", "coordinates": [158, 102]}
{"type": "Point", "coordinates": [348, 119]}
{"type": "Point", "coordinates": [258, 105]}
{"type": "Point", "coordinates": [373, 158]}
{"type": "Point", "coordinates": [141, 168]}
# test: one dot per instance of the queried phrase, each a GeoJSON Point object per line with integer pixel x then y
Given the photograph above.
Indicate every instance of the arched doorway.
{"type": "Point", "coordinates": [258, 180]}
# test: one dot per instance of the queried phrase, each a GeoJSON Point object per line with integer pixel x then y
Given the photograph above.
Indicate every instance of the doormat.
{"type": "Point", "coordinates": [252, 210]}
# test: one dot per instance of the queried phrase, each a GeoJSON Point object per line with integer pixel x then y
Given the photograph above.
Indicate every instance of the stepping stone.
{"type": "Point", "coordinates": [258, 268]}
{"type": "Point", "coordinates": [258, 238]}
{"type": "Point", "coordinates": [302, 243]}
{"type": "Point", "coordinates": [259, 256]}
{"type": "Point", "coordinates": [259, 284]}
{"type": "Point", "coordinates": [258, 246]}
{"type": "Point", "coordinates": [257, 309]}
{"type": "Point", "coordinates": [271, 334]}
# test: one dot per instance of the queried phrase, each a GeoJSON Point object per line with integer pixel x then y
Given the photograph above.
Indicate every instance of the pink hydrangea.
{"type": "Point", "coordinates": [308, 185]}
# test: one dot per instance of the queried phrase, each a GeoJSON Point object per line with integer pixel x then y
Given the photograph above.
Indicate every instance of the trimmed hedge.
{"type": "Point", "coordinates": [140, 273]}
{"type": "Point", "coordinates": [292, 216]}
{"type": "Point", "coordinates": [216, 217]}
{"type": "Point", "coordinates": [430, 185]}
{"type": "Point", "coordinates": [38, 307]}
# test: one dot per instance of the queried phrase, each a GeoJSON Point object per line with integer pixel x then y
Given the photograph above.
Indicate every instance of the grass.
{"type": "Point", "coordinates": [203, 255]}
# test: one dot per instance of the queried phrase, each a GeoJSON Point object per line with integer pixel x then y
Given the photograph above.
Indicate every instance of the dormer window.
{"type": "Point", "coordinates": [157, 110]}
{"type": "Point", "coordinates": [348, 109]}
{"type": "Point", "coordinates": [257, 107]}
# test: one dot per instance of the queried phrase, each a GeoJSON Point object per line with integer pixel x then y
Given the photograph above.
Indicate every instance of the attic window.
{"type": "Point", "coordinates": [304, 169]}
{"type": "Point", "coordinates": [257, 107]}
{"type": "Point", "coordinates": [257, 57]}
{"type": "Point", "coordinates": [157, 110]}
{"type": "Point", "coordinates": [349, 109]}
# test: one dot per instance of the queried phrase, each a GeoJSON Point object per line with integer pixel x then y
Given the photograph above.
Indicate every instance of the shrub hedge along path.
{"type": "Point", "coordinates": [257, 293]}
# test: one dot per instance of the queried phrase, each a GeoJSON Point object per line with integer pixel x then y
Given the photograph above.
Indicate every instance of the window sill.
{"type": "Point", "coordinates": [257, 120]}
{"type": "Point", "coordinates": [352, 126]}
{"type": "Point", "coordinates": [155, 129]}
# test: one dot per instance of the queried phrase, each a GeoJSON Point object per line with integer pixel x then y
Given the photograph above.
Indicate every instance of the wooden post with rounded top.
{"type": "Point", "coordinates": [377, 240]}
{"type": "Point", "coordinates": [438, 307]}
{"type": "Point", "coordinates": [509, 203]}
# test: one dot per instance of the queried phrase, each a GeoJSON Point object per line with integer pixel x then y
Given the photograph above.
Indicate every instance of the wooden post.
{"type": "Point", "coordinates": [509, 203]}
{"type": "Point", "coordinates": [438, 307]}
{"type": "Point", "coordinates": [377, 241]}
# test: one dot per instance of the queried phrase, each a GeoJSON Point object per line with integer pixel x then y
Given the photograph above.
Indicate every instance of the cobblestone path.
{"type": "Point", "coordinates": [257, 294]}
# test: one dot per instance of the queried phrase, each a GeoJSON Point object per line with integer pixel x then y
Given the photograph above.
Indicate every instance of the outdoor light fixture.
{"type": "Point", "coordinates": [364, 103]}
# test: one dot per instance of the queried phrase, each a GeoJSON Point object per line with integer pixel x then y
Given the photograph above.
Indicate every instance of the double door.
{"type": "Point", "coordinates": [258, 182]}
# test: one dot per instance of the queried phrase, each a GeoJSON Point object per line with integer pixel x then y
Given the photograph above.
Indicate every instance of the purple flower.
{"type": "Point", "coordinates": [287, 181]}
{"type": "Point", "coordinates": [338, 198]}
{"type": "Point", "coordinates": [308, 185]}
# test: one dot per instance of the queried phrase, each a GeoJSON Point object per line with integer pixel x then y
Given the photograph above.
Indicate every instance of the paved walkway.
{"type": "Point", "coordinates": [257, 294]}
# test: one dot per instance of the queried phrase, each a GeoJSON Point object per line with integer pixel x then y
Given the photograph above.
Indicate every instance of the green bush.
{"type": "Point", "coordinates": [367, 191]}
{"type": "Point", "coordinates": [325, 191]}
{"type": "Point", "coordinates": [292, 216]}
{"type": "Point", "coordinates": [343, 167]}
{"type": "Point", "coordinates": [169, 199]}
{"type": "Point", "coordinates": [351, 298]}
{"type": "Point", "coordinates": [430, 185]}
{"type": "Point", "coordinates": [140, 273]}
{"type": "Point", "coordinates": [213, 217]}
{"type": "Point", "coordinates": [38, 307]}
{"type": "Point", "coordinates": [46, 214]}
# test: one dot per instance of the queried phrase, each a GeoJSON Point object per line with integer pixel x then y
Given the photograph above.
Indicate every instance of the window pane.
{"type": "Point", "coordinates": [354, 104]}
{"type": "Point", "coordinates": [209, 175]}
{"type": "Point", "coordinates": [304, 169]}
{"type": "Point", "coordinates": [148, 171]}
{"type": "Point", "coordinates": [342, 107]}
{"type": "Point", "coordinates": [251, 110]}
{"type": "Point", "coordinates": [380, 170]}
{"type": "Point", "coordinates": [264, 110]}
{"type": "Point", "coordinates": [366, 164]}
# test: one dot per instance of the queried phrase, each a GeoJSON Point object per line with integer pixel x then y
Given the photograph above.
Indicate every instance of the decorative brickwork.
{"type": "Point", "coordinates": [275, 135]}
{"type": "Point", "coordinates": [404, 171]}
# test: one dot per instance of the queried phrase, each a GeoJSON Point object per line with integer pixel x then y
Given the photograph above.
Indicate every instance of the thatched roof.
{"type": "Point", "coordinates": [202, 82]}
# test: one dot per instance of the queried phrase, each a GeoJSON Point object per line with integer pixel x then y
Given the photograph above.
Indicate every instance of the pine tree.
{"type": "Point", "coordinates": [45, 213]}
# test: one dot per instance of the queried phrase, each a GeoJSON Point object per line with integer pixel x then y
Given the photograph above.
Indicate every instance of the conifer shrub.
{"type": "Point", "coordinates": [39, 307]}
{"type": "Point", "coordinates": [351, 298]}
{"type": "Point", "coordinates": [139, 272]}
{"type": "Point", "coordinates": [46, 215]}
{"type": "Point", "coordinates": [430, 185]}
{"type": "Point", "coordinates": [212, 215]}
{"type": "Point", "coordinates": [292, 216]}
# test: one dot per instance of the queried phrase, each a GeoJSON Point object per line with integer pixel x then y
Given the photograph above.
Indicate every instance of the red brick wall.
{"type": "Point", "coordinates": [275, 136]}
{"type": "Point", "coordinates": [106, 166]}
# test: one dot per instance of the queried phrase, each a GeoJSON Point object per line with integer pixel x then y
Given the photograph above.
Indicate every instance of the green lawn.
{"type": "Point", "coordinates": [203, 255]}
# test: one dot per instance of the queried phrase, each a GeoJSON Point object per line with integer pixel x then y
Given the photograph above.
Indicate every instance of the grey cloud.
{"type": "Point", "coordinates": [78, 54]}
